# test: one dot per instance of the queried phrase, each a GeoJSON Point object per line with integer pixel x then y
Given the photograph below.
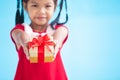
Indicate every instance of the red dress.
{"type": "Point", "coordinates": [38, 71]}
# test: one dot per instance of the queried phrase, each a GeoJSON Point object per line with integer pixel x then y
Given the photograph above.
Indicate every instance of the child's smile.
{"type": "Point", "coordinates": [41, 18]}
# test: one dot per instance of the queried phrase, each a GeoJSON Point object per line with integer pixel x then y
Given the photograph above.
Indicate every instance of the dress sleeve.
{"type": "Point", "coordinates": [18, 26]}
{"type": "Point", "coordinates": [57, 26]}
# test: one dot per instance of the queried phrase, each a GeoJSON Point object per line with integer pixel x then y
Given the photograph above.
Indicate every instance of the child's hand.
{"type": "Point", "coordinates": [25, 49]}
{"type": "Point", "coordinates": [57, 47]}
{"type": "Point", "coordinates": [59, 36]}
{"type": "Point", "coordinates": [21, 39]}
{"type": "Point", "coordinates": [24, 38]}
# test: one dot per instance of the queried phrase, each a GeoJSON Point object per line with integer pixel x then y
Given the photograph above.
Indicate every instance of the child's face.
{"type": "Point", "coordinates": [40, 11]}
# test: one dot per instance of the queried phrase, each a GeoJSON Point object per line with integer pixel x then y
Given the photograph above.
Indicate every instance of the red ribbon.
{"type": "Point", "coordinates": [45, 40]}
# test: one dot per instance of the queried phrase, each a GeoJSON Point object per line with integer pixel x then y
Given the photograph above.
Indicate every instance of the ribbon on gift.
{"type": "Point", "coordinates": [48, 42]}
{"type": "Point", "coordinates": [33, 43]}
{"type": "Point", "coordinates": [45, 40]}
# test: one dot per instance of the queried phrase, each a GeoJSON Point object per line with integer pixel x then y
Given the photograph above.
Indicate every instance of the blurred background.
{"type": "Point", "coordinates": [92, 51]}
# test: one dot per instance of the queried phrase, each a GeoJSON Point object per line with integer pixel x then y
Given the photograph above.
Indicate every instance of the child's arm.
{"type": "Point", "coordinates": [59, 36]}
{"type": "Point", "coordinates": [21, 39]}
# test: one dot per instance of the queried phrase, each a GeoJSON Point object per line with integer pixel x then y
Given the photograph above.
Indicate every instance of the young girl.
{"type": "Point", "coordinates": [40, 12]}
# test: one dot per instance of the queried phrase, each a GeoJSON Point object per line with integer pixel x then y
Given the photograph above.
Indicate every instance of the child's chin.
{"type": "Point", "coordinates": [41, 22]}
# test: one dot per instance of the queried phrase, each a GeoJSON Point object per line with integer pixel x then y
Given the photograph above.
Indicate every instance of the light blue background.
{"type": "Point", "coordinates": [92, 51]}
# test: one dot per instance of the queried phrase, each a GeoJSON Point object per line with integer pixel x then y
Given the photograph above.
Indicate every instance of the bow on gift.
{"type": "Point", "coordinates": [45, 40]}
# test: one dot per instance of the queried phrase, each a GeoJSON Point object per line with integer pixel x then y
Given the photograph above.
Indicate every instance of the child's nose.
{"type": "Point", "coordinates": [41, 11]}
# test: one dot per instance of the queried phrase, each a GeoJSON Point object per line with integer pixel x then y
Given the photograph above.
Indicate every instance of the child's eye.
{"type": "Point", "coordinates": [34, 5]}
{"type": "Point", "coordinates": [48, 6]}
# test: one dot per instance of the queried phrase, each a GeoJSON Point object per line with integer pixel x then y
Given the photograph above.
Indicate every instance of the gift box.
{"type": "Point", "coordinates": [48, 49]}
{"type": "Point", "coordinates": [33, 50]}
{"type": "Point", "coordinates": [33, 55]}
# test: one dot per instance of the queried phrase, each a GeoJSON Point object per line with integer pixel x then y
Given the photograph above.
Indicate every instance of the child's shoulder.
{"type": "Point", "coordinates": [62, 28]}
{"type": "Point", "coordinates": [22, 26]}
{"type": "Point", "coordinates": [19, 26]}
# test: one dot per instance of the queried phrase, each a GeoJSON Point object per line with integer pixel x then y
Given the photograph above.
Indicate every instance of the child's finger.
{"type": "Point", "coordinates": [56, 51]}
{"type": "Point", "coordinates": [26, 52]}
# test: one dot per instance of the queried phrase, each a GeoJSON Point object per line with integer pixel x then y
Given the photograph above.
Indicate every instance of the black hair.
{"type": "Point", "coordinates": [56, 21]}
{"type": "Point", "coordinates": [20, 16]}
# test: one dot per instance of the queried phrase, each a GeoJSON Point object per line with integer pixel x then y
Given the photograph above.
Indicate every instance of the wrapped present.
{"type": "Point", "coordinates": [48, 55]}
{"type": "Point", "coordinates": [49, 49]}
{"type": "Point", "coordinates": [48, 45]}
{"type": "Point", "coordinates": [33, 55]}
{"type": "Point", "coordinates": [33, 50]}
